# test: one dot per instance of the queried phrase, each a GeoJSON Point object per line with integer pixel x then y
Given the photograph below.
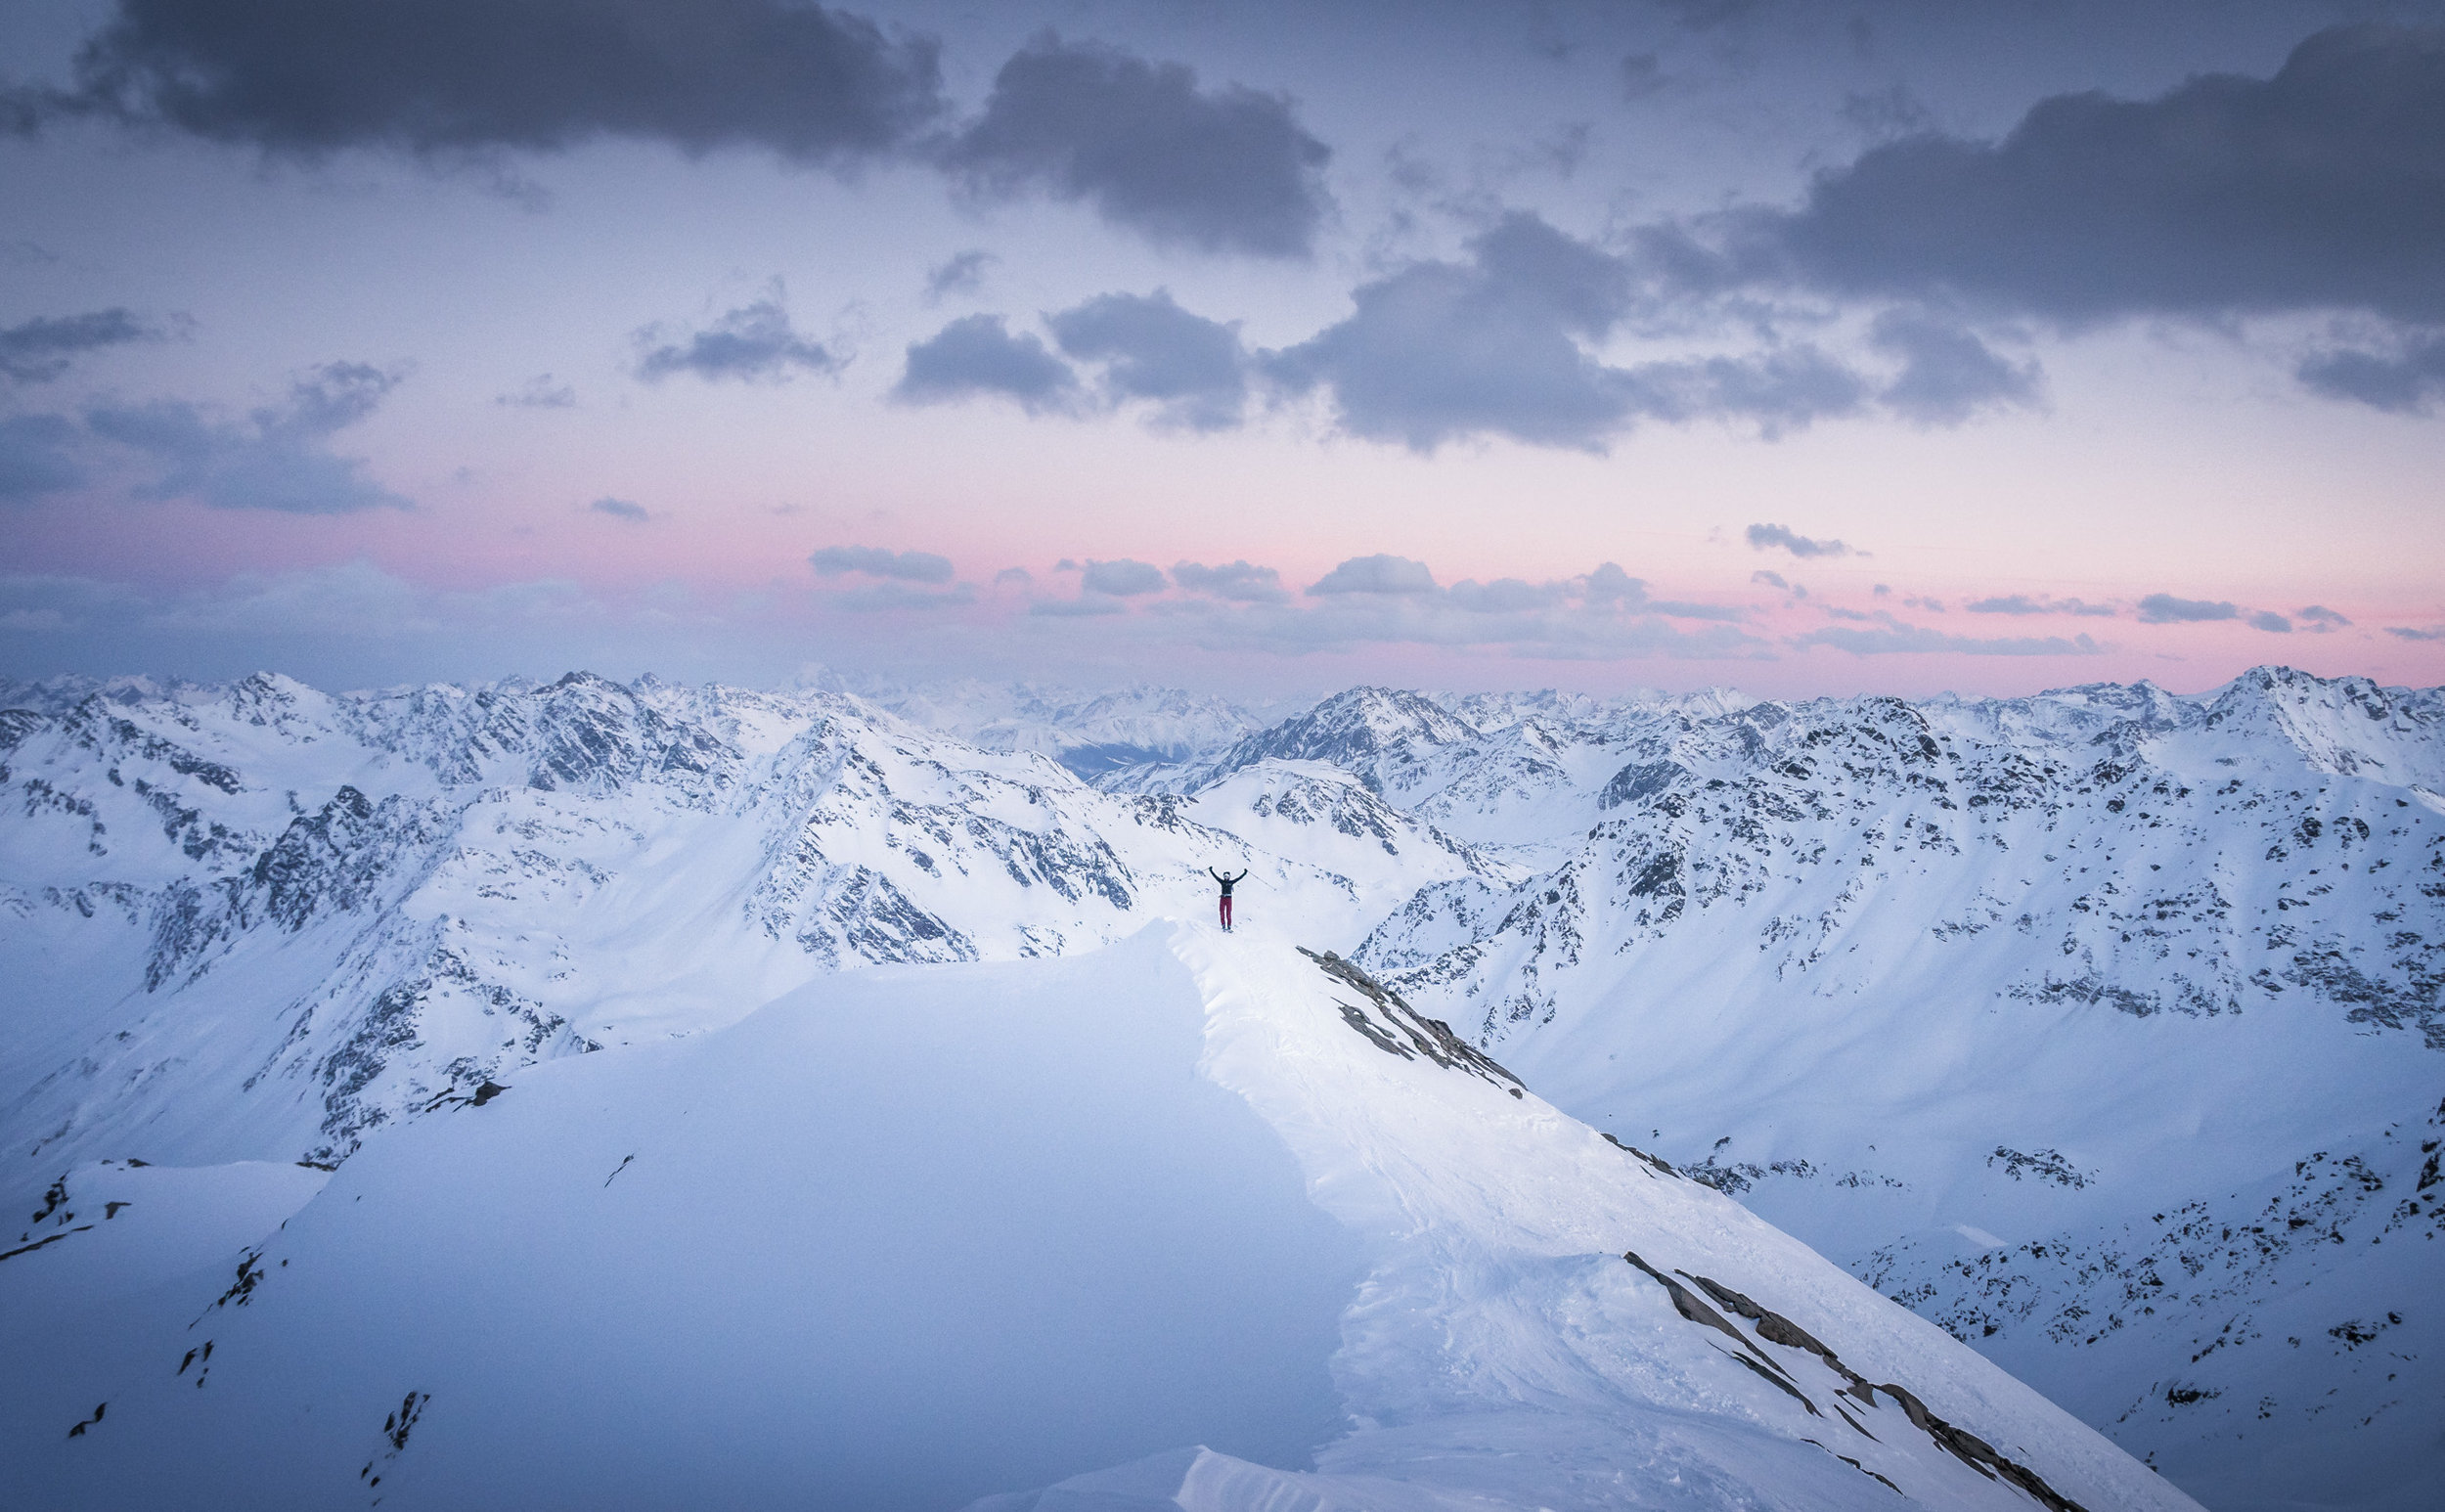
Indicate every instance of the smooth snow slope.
{"type": "Point", "coordinates": [116, 1227]}
{"type": "Point", "coordinates": [920, 1236]}
{"type": "Point", "coordinates": [892, 1241]}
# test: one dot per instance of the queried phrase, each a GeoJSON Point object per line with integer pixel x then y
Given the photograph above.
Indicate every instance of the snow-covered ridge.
{"type": "Point", "coordinates": [1214, 1225]}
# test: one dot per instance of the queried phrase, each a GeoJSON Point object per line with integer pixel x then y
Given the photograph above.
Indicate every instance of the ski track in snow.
{"type": "Point", "coordinates": [2101, 1028]}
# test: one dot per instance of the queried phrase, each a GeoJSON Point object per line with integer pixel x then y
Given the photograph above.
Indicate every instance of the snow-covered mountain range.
{"type": "Point", "coordinates": [2101, 1027]}
{"type": "Point", "coordinates": [1089, 732]}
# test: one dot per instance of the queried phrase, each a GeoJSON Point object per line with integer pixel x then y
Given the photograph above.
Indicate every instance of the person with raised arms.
{"type": "Point", "coordinates": [1228, 882]}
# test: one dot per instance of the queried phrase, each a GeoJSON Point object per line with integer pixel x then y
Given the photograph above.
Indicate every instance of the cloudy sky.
{"type": "Point", "coordinates": [1898, 345]}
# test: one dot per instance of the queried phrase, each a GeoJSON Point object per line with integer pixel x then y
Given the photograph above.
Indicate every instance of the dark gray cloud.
{"type": "Point", "coordinates": [38, 456]}
{"type": "Point", "coordinates": [1240, 581]}
{"type": "Point", "coordinates": [2166, 609]}
{"type": "Point", "coordinates": [1018, 575]}
{"type": "Point", "coordinates": [2407, 381]}
{"type": "Point", "coordinates": [1225, 170]}
{"type": "Point", "coordinates": [1584, 288]}
{"type": "Point", "coordinates": [2322, 187]}
{"type": "Point", "coordinates": [754, 343]}
{"type": "Point", "coordinates": [2410, 633]}
{"type": "Point", "coordinates": [1122, 579]}
{"type": "Point", "coordinates": [1499, 345]}
{"type": "Point", "coordinates": [1769, 537]}
{"type": "Point", "coordinates": [960, 274]}
{"type": "Point", "coordinates": [40, 349]}
{"type": "Point", "coordinates": [1381, 573]}
{"type": "Point", "coordinates": [1765, 579]}
{"type": "Point", "coordinates": [470, 75]}
{"type": "Point", "coordinates": [2321, 620]}
{"type": "Point", "coordinates": [1948, 373]}
{"type": "Point", "coordinates": [881, 563]}
{"type": "Point", "coordinates": [1441, 350]}
{"type": "Point", "coordinates": [2269, 621]}
{"type": "Point", "coordinates": [1192, 367]}
{"type": "Point", "coordinates": [976, 354]}
{"type": "Point", "coordinates": [621, 508]}
{"type": "Point", "coordinates": [277, 461]}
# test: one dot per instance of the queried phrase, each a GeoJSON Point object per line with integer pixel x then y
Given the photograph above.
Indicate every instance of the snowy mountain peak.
{"type": "Point", "coordinates": [2339, 725]}
{"type": "Point", "coordinates": [1375, 733]}
{"type": "Point", "coordinates": [1360, 723]}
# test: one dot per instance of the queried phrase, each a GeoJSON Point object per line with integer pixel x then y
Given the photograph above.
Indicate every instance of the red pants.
{"type": "Point", "coordinates": [1227, 911]}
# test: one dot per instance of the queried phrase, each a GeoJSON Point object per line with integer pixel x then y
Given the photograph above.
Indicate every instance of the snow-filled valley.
{"type": "Point", "coordinates": [933, 1157]}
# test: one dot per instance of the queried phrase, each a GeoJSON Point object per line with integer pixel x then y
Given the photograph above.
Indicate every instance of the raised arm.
{"type": "Point", "coordinates": [1217, 875]}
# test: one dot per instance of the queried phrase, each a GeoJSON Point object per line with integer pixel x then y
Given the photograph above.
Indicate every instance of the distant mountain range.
{"type": "Point", "coordinates": [2100, 1027]}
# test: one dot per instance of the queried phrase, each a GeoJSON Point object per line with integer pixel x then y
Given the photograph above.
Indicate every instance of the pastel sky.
{"type": "Point", "coordinates": [1894, 345]}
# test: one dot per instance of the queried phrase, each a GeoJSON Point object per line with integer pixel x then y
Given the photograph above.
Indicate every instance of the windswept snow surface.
{"type": "Point", "coordinates": [1196, 1222]}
